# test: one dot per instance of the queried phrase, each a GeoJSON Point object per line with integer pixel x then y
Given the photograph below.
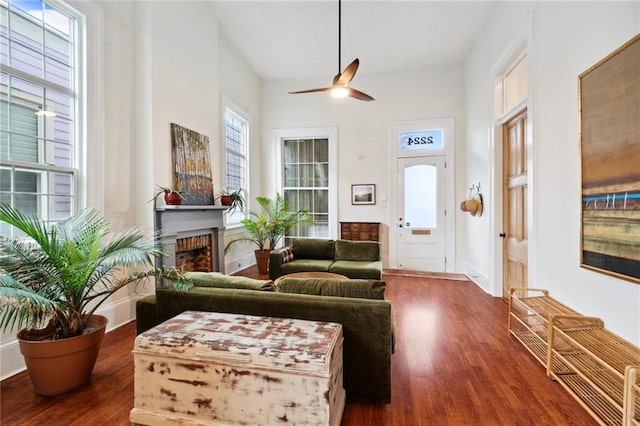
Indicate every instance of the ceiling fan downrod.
{"type": "Point", "coordinates": [339, 35]}
{"type": "Point", "coordinates": [340, 86]}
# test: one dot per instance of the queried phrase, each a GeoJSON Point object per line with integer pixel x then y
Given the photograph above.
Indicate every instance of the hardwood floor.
{"type": "Point", "coordinates": [454, 365]}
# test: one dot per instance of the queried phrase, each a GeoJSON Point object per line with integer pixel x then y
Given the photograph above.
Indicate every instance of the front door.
{"type": "Point", "coordinates": [515, 247]}
{"type": "Point", "coordinates": [421, 213]}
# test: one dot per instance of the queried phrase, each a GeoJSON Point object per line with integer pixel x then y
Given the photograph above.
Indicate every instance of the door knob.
{"type": "Point", "coordinates": [503, 235]}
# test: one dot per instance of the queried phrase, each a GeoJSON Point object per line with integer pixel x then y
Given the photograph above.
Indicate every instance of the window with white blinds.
{"type": "Point", "coordinates": [236, 145]}
{"type": "Point", "coordinates": [39, 81]}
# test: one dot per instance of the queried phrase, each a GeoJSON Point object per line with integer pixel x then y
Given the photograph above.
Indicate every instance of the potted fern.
{"type": "Point", "coordinates": [266, 228]}
{"type": "Point", "coordinates": [57, 276]}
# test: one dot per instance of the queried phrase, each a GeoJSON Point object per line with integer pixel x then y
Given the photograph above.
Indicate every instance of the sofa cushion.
{"type": "Point", "coordinates": [305, 265]}
{"type": "Point", "coordinates": [357, 269]}
{"type": "Point", "coordinates": [357, 250]}
{"type": "Point", "coordinates": [363, 289]}
{"type": "Point", "coordinates": [313, 248]}
{"type": "Point", "coordinates": [216, 279]}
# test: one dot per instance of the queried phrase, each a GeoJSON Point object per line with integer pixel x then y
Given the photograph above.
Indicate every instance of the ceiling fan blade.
{"type": "Point", "coordinates": [360, 95]}
{"type": "Point", "coordinates": [348, 73]}
{"type": "Point", "coordinates": [322, 89]}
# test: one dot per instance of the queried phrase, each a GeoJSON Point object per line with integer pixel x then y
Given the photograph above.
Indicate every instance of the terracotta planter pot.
{"type": "Point", "coordinates": [58, 366]}
{"type": "Point", "coordinates": [262, 261]}
{"type": "Point", "coordinates": [226, 200]}
{"type": "Point", "coordinates": [172, 198]}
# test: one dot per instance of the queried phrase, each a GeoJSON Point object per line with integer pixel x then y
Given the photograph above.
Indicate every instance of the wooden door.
{"type": "Point", "coordinates": [421, 214]}
{"type": "Point", "coordinates": [515, 203]}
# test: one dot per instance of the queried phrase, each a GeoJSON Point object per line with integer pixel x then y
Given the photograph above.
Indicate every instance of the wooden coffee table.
{"type": "Point", "coordinates": [311, 274]}
{"type": "Point", "coordinates": [211, 368]}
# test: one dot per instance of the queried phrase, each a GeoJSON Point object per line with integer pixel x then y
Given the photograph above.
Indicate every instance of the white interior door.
{"type": "Point", "coordinates": [421, 213]}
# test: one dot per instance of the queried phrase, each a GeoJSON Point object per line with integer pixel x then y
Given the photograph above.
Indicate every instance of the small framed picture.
{"type": "Point", "coordinates": [363, 194]}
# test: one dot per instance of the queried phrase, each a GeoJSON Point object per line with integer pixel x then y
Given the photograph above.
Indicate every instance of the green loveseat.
{"type": "Point", "coordinates": [358, 305]}
{"type": "Point", "coordinates": [354, 259]}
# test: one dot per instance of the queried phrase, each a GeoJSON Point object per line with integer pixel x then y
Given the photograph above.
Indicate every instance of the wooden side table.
{"type": "Point", "coordinates": [360, 231]}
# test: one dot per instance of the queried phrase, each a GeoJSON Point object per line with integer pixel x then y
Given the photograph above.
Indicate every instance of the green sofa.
{"type": "Point", "coordinates": [354, 259]}
{"type": "Point", "coordinates": [358, 305]}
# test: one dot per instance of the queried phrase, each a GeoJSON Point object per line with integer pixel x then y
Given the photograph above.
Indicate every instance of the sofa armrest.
{"type": "Point", "coordinates": [146, 313]}
{"type": "Point", "coordinates": [278, 257]}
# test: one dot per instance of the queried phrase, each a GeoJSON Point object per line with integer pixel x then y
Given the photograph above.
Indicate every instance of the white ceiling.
{"type": "Point", "coordinates": [299, 39]}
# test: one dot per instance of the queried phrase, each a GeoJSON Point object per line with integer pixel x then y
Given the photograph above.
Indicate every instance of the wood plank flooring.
{"type": "Point", "coordinates": [454, 365]}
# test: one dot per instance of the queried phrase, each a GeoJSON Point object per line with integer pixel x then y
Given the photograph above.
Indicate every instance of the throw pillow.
{"type": "Point", "coordinates": [286, 253]}
{"type": "Point", "coordinates": [363, 289]}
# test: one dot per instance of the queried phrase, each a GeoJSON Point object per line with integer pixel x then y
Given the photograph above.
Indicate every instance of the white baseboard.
{"type": "Point", "coordinates": [12, 361]}
{"type": "Point", "coordinates": [243, 262]}
{"type": "Point", "coordinates": [475, 275]}
{"type": "Point", "coordinates": [119, 313]}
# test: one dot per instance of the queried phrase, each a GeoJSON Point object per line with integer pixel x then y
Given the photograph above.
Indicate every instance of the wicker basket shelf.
{"type": "Point", "coordinates": [598, 368]}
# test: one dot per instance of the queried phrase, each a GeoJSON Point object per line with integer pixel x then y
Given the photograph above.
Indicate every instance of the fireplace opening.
{"type": "Point", "coordinates": [193, 254]}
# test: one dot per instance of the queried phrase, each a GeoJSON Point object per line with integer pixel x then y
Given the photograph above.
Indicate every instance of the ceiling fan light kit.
{"type": "Point", "coordinates": [340, 87]}
{"type": "Point", "coordinates": [339, 92]}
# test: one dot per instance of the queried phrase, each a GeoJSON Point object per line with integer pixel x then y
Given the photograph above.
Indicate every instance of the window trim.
{"type": "Point", "coordinates": [228, 104]}
{"type": "Point", "coordinates": [90, 123]}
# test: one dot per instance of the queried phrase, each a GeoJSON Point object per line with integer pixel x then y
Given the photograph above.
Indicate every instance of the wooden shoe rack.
{"type": "Point", "coordinates": [598, 368]}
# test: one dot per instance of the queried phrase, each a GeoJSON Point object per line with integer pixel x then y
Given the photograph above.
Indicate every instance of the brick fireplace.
{"type": "Point", "coordinates": [194, 253]}
{"type": "Point", "coordinates": [192, 237]}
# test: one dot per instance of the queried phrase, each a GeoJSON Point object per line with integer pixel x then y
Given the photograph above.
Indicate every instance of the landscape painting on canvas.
{"type": "Point", "coordinates": [610, 149]}
{"type": "Point", "coordinates": [191, 165]}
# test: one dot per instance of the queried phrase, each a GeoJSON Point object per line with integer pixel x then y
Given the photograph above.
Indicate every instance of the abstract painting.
{"type": "Point", "coordinates": [610, 151]}
{"type": "Point", "coordinates": [191, 165]}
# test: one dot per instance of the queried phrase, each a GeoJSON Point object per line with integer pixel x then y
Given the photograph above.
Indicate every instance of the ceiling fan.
{"type": "Point", "coordinates": [340, 86]}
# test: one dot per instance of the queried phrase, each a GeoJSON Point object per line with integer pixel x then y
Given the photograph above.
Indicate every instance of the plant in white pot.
{"type": "Point", "coordinates": [58, 276]}
{"type": "Point", "coordinates": [266, 228]}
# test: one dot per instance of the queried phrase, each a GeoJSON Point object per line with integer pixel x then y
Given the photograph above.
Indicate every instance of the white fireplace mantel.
{"type": "Point", "coordinates": [173, 222]}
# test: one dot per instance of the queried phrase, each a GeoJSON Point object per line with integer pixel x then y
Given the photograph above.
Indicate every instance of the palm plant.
{"type": "Point", "coordinates": [64, 272]}
{"type": "Point", "coordinates": [266, 228]}
{"type": "Point", "coordinates": [280, 218]}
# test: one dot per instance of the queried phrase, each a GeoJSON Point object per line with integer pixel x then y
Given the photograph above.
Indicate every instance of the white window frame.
{"type": "Point", "coordinates": [45, 124]}
{"type": "Point", "coordinates": [229, 106]}
{"type": "Point", "coordinates": [330, 133]}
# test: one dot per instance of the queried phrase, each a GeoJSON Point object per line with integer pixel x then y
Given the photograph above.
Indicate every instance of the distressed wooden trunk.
{"type": "Point", "coordinates": [208, 368]}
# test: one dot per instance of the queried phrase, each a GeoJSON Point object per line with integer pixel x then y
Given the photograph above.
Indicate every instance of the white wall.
{"type": "Point", "coordinates": [242, 88]}
{"type": "Point", "coordinates": [363, 127]}
{"type": "Point", "coordinates": [184, 77]}
{"type": "Point", "coordinates": [566, 39]}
